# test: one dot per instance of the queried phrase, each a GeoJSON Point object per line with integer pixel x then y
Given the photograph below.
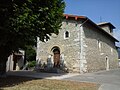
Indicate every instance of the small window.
{"type": "Point", "coordinates": [66, 35]}
{"type": "Point", "coordinates": [99, 45]}
{"type": "Point", "coordinates": [111, 50]}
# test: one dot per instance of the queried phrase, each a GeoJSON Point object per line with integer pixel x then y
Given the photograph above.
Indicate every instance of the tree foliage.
{"type": "Point", "coordinates": [21, 21]}
{"type": "Point", "coordinates": [30, 53]}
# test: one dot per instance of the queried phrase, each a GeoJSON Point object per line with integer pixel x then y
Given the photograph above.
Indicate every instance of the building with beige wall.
{"type": "Point", "coordinates": [81, 46]}
{"type": "Point", "coordinates": [15, 61]}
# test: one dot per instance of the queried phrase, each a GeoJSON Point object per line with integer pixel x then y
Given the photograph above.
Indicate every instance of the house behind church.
{"type": "Point", "coordinates": [16, 61]}
{"type": "Point", "coordinates": [81, 46]}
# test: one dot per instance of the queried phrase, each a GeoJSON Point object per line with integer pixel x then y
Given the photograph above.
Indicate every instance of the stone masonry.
{"type": "Point", "coordinates": [83, 47]}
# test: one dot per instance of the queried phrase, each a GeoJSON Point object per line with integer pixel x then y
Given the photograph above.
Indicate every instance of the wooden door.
{"type": "Point", "coordinates": [56, 58]}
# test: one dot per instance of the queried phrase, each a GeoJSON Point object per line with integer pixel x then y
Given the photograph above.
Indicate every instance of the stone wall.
{"type": "Point", "coordinates": [85, 50]}
{"type": "Point", "coordinates": [69, 47]}
{"type": "Point", "coordinates": [107, 29]}
{"type": "Point", "coordinates": [101, 53]}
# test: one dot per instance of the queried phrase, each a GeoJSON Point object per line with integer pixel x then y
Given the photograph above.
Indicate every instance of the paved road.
{"type": "Point", "coordinates": [109, 80]}
{"type": "Point", "coordinates": [42, 75]}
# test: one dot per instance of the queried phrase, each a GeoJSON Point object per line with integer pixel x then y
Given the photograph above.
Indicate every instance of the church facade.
{"type": "Point", "coordinates": [81, 46]}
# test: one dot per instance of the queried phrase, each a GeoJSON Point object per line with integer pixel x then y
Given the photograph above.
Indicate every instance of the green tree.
{"type": "Point", "coordinates": [30, 53]}
{"type": "Point", "coordinates": [21, 21]}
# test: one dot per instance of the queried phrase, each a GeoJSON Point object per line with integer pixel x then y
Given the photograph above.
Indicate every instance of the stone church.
{"type": "Point", "coordinates": [81, 46]}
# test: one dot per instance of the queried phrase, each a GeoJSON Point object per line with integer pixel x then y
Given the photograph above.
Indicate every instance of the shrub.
{"type": "Point", "coordinates": [31, 63]}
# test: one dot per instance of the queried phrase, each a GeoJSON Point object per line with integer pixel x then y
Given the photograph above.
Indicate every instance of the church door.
{"type": "Point", "coordinates": [56, 57]}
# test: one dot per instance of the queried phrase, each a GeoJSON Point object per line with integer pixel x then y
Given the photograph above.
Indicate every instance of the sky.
{"type": "Point", "coordinates": [98, 11]}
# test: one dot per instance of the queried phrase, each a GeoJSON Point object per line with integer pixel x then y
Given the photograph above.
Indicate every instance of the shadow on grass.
{"type": "Point", "coordinates": [10, 81]}
{"type": "Point", "coordinates": [34, 74]}
{"type": "Point", "coordinates": [21, 77]}
{"type": "Point", "coordinates": [18, 77]}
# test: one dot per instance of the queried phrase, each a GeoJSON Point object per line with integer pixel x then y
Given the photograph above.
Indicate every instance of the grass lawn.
{"type": "Point", "coordinates": [25, 83]}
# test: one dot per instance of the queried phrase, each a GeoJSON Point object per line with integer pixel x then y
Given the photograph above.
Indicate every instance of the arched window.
{"type": "Point", "coordinates": [66, 35]}
{"type": "Point", "coordinates": [107, 62]}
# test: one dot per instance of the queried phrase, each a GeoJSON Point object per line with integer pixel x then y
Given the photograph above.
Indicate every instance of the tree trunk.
{"type": "Point", "coordinates": [3, 66]}
{"type": "Point", "coordinates": [4, 53]}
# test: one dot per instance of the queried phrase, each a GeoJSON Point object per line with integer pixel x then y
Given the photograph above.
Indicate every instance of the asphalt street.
{"type": "Point", "coordinates": [109, 80]}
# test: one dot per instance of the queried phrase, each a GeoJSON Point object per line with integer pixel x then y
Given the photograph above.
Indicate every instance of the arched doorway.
{"type": "Point", "coordinates": [56, 56]}
{"type": "Point", "coordinates": [107, 62]}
